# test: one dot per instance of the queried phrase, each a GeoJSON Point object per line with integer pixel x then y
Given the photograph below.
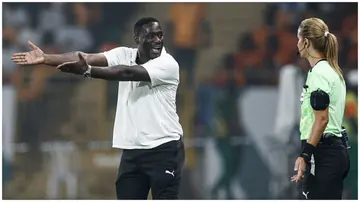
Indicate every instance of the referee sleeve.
{"type": "Point", "coordinates": [319, 81]}
{"type": "Point", "coordinates": [163, 70]}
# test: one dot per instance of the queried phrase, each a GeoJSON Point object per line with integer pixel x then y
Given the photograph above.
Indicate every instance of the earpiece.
{"type": "Point", "coordinates": [302, 49]}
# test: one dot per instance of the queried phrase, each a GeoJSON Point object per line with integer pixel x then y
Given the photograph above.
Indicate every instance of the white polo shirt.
{"type": "Point", "coordinates": [146, 111]}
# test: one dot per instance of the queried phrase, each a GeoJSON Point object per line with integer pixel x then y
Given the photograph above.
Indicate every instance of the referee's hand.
{"type": "Point", "coordinates": [300, 167]}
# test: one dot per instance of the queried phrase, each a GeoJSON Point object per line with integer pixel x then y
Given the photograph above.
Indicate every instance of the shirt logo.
{"type": "Point", "coordinates": [170, 173]}
{"type": "Point", "coordinates": [302, 94]}
{"type": "Point", "coordinates": [302, 98]}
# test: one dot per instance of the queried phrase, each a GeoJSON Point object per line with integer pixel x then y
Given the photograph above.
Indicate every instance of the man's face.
{"type": "Point", "coordinates": [151, 40]}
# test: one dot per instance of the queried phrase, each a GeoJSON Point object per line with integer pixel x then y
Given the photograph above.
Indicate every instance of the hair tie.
{"type": "Point", "coordinates": [326, 34]}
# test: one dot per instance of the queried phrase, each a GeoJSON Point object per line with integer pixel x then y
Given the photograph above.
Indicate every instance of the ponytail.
{"type": "Point", "coordinates": [331, 53]}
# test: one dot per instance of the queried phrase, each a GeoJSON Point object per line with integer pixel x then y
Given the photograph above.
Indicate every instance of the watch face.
{"type": "Point", "coordinates": [87, 74]}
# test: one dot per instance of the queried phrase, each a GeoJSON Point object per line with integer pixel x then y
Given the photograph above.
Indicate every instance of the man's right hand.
{"type": "Point", "coordinates": [36, 56]}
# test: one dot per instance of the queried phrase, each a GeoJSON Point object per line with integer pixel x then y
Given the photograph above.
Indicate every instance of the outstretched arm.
{"type": "Point", "coordinates": [121, 73]}
{"type": "Point", "coordinates": [159, 71]}
{"type": "Point", "coordinates": [118, 72]}
{"type": "Point", "coordinates": [37, 56]}
{"type": "Point", "coordinates": [96, 59]}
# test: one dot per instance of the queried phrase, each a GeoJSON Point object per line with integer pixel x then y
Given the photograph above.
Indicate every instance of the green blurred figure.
{"type": "Point", "coordinates": [226, 126]}
{"type": "Point", "coordinates": [351, 125]}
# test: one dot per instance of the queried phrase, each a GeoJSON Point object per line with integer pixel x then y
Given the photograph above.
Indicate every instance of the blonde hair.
{"type": "Point", "coordinates": [317, 32]}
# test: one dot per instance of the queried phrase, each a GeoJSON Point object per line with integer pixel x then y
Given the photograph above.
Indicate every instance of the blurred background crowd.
{"type": "Point", "coordinates": [238, 100]}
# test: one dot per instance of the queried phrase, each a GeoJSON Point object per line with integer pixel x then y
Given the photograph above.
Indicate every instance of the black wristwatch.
{"type": "Point", "coordinates": [87, 73]}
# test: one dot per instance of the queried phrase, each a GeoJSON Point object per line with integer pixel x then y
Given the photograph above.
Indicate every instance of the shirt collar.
{"type": "Point", "coordinates": [133, 57]}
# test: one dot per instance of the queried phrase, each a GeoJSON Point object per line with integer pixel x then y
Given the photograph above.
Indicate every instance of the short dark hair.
{"type": "Point", "coordinates": [141, 22]}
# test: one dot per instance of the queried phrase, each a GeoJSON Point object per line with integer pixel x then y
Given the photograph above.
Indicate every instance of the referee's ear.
{"type": "Point", "coordinates": [307, 43]}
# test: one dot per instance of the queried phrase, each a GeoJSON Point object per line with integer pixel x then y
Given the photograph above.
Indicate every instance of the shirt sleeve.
{"type": "Point", "coordinates": [115, 55]}
{"type": "Point", "coordinates": [163, 70]}
{"type": "Point", "coordinates": [319, 81]}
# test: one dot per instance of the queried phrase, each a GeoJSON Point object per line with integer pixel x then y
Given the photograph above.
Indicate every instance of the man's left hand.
{"type": "Point", "coordinates": [77, 67]}
{"type": "Point", "coordinates": [300, 167]}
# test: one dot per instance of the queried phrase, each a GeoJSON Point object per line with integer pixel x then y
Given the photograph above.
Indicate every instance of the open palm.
{"type": "Point", "coordinates": [35, 56]}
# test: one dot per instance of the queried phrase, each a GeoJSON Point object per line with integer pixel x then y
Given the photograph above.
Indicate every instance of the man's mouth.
{"type": "Point", "coordinates": [156, 49]}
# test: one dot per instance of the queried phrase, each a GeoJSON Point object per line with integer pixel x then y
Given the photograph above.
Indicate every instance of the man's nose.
{"type": "Point", "coordinates": [157, 39]}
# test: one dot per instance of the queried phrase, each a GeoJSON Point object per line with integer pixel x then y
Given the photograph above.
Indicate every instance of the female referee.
{"type": "Point", "coordinates": [322, 111]}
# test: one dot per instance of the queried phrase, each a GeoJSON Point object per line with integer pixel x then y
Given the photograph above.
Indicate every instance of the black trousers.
{"type": "Point", "coordinates": [158, 169]}
{"type": "Point", "coordinates": [332, 165]}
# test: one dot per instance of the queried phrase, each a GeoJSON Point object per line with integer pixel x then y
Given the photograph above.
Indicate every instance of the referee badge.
{"type": "Point", "coordinates": [302, 98]}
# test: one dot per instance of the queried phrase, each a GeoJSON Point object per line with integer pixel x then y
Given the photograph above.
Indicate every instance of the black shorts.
{"type": "Point", "coordinates": [331, 168]}
{"type": "Point", "coordinates": [158, 169]}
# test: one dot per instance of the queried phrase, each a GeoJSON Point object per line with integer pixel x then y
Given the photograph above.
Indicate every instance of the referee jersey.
{"type": "Point", "coordinates": [322, 76]}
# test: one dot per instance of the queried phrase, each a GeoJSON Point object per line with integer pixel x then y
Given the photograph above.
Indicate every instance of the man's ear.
{"type": "Point", "coordinates": [136, 38]}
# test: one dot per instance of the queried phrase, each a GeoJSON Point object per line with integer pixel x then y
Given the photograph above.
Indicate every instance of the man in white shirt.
{"type": "Point", "coordinates": [146, 124]}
